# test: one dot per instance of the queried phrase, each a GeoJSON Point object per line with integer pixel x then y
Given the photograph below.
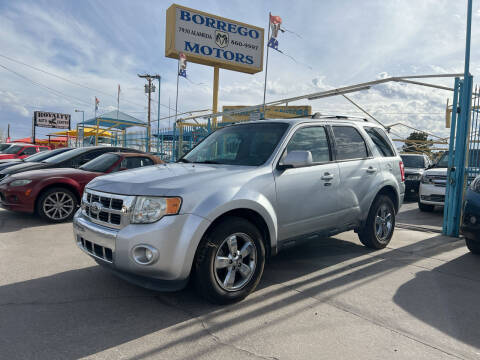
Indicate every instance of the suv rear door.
{"type": "Point", "coordinates": [360, 173]}
{"type": "Point", "coordinates": [307, 196]}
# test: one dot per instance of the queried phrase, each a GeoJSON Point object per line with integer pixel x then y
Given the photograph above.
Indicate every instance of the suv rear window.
{"type": "Point", "coordinates": [349, 143]}
{"type": "Point", "coordinates": [381, 141]}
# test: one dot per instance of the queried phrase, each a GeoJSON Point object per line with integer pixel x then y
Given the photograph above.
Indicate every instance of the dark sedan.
{"type": "Point", "coordinates": [38, 157]}
{"type": "Point", "coordinates": [415, 165]}
{"type": "Point", "coordinates": [471, 217]}
{"type": "Point", "coordinates": [70, 159]}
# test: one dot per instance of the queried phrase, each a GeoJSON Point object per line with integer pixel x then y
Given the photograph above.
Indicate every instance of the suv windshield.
{"type": "Point", "coordinates": [45, 155]}
{"type": "Point", "coordinates": [101, 163]}
{"type": "Point", "coordinates": [412, 161]}
{"type": "Point", "coordinates": [245, 144]}
{"type": "Point", "coordinates": [65, 156]}
{"type": "Point", "coordinates": [13, 149]}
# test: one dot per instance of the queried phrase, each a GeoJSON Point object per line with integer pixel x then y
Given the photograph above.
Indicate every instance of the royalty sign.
{"type": "Point", "coordinates": [51, 120]}
{"type": "Point", "coordinates": [215, 41]}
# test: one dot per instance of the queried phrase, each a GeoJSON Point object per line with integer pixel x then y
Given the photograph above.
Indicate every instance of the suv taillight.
{"type": "Point", "coordinates": [402, 171]}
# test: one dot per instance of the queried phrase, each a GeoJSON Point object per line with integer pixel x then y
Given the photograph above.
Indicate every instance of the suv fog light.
{"type": "Point", "coordinates": [144, 254]}
{"type": "Point", "coordinates": [473, 219]}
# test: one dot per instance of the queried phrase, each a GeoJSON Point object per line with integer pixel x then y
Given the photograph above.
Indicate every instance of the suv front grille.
{"type": "Point", "coordinates": [96, 250]}
{"type": "Point", "coordinates": [106, 209]}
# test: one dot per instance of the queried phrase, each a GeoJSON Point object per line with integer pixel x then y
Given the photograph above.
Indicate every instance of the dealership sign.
{"type": "Point", "coordinates": [212, 40]}
{"type": "Point", "coordinates": [272, 112]}
{"type": "Point", "coordinates": [51, 120]}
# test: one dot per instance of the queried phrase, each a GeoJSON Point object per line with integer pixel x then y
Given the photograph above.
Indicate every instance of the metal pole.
{"type": "Point", "coordinates": [176, 111]}
{"type": "Point", "coordinates": [158, 112]}
{"type": "Point", "coordinates": [216, 73]}
{"type": "Point", "coordinates": [149, 106]}
{"type": "Point", "coordinates": [266, 68]}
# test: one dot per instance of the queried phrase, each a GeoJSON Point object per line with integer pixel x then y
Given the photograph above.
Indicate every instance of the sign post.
{"type": "Point", "coordinates": [50, 120]}
{"type": "Point", "coordinates": [214, 41]}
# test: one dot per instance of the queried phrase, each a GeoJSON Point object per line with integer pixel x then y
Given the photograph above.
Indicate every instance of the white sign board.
{"type": "Point", "coordinates": [51, 120]}
{"type": "Point", "coordinates": [212, 40]}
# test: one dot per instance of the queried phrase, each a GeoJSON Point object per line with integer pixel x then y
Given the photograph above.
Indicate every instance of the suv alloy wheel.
{"type": "Point", "coordinates": [378, 229]}
{"type": "Point", "coordinates": [230, 261]}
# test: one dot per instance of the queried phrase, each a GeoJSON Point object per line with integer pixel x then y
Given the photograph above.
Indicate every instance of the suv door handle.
{"type": "Point", "coordinates": [327, 176]}
{"type": "Point", "coordinates": [371, 170]}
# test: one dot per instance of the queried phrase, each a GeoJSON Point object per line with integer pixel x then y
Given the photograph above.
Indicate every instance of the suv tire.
{"type": "Point", "coordinates": [378, 230]}
{"type": "Point", "coordinates": [473, 246]}
{"type": "Point", "coordinates": [230, 261]}
{"type": "Point", "coordinates": [67, 205]}
{"type": "Point", "coordinates": [425, 207]}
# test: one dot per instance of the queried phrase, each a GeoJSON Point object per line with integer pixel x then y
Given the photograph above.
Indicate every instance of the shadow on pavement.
{"type": "Point", "coordinates": [12, 221]}
{"type": "Point", "coordinates": [447, 304]}
{"type": "Point", "coordinates": [82, 312]}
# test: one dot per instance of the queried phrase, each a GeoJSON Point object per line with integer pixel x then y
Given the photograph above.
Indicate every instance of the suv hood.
{"type": "Point", "coordinates": [23, 166]}
{"type": "Point", "coordinates": [414, 171]}
{"type": "Point", "coordinates": [436, 171]}
{"type": "Point", "coordinates": [53, 173]}
{"type": "Point", "coordinates": [172, 179]}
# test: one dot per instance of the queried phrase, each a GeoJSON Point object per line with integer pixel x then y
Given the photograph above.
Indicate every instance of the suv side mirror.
{"type": "Point", "coordinates": [296, 159]}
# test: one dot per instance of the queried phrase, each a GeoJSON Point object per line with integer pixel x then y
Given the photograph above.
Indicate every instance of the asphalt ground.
{"type": "Point", "coordinates": [330, 298]}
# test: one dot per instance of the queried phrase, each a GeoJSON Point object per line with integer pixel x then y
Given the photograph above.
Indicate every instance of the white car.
{"type": "Point", "coordinates": [434, 181]}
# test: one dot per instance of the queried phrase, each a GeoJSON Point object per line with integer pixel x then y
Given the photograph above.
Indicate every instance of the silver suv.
{"type": "Point", "coordinates": [243, 194]}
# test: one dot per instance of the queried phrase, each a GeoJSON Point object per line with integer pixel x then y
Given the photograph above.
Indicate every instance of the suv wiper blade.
{"type": "Point", "coordinates": [184, 160]}
{"type": "Point", "coordinates": [207, 162]}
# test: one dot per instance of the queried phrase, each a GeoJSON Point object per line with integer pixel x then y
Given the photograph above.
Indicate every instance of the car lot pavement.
{"type": "Point", "coordinates": [330, 298]}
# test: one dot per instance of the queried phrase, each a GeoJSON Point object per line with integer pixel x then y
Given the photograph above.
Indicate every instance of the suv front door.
{"type": "Point", "coordinates": [307, 196]}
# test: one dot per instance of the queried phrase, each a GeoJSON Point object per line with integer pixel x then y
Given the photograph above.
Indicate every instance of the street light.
{"type": "Point", "coordinates": [83, 125]}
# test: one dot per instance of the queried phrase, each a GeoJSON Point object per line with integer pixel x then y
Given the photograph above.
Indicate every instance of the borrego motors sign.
{"type": "Point", "coordinates": [51, 120]}
{"type": "Point", "coordinates": [212, 40]}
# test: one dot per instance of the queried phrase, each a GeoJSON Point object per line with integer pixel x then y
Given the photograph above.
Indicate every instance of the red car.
{"type": "Point", "coordinates": [21, 151]}
{"type": "Point", "coordinates": [54, 194]}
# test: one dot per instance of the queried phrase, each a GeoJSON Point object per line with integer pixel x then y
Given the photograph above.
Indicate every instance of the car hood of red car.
{"type": "Point", "coordinates": [53, 173]}
{"type": "Point", "coordinates": [7, 156]}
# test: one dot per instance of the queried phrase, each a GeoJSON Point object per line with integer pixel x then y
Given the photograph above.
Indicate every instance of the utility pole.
{"type": "Point", "coordinates": [149, 89]}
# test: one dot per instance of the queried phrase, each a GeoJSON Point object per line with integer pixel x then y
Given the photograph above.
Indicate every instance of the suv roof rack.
{"type": "Point", "coordinates": [319, 116]}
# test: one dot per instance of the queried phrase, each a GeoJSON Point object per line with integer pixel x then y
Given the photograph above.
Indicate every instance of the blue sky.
{"type": "Point", "coordinates": [101, 44]}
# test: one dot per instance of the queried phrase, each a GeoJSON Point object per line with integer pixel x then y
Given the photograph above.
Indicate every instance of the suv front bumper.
{"type": "Point", "coordinates": [174, 237]}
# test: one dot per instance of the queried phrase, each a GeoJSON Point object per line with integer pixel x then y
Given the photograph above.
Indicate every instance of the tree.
{"type": "Point", "coordinates": [417, 144]}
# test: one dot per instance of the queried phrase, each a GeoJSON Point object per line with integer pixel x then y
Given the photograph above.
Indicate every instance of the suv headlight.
{"type": "Point", "coordinates": [475, 186]}
{"type": "Point", "coordinates": [149, 209]}
{"type": "Point", "coordinates": [21, 182]}
{"type": "Point", "coordinates": [426, 180]}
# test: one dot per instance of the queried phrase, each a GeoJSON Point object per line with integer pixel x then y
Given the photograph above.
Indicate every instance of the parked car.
{"type": "Point", "coordinates": [55, 193]}
{"type": "Point", "coordinates": [38, 157]}
{"type": "Point", "coordinates": [71, 159]}
{"type": "Point", "coordinates": [434, 181]}
{"type": "Point", "coordinates": [5, 146]}
{"type": "Point", "coordinates": [242, 194]}
{"type": "Point", "coordinates": [471, 217]}
{"type": "Point", "coordinates": [415, 165]}
{"type": "Point", "coordinates": [21, 151]}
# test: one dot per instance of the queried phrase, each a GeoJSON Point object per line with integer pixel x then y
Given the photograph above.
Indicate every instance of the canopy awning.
{"type": "Point", "coordinates": [88, 131]}
{"type": "Point", "coordinates": [115, 120]}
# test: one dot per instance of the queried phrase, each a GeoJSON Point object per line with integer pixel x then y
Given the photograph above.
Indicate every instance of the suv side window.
{"type": "Point", "coordinates": [313, 139]}
{"type": "Point", "coordinates": [381, 141]}
{"type": "Point", "coordinates": [349, 144]}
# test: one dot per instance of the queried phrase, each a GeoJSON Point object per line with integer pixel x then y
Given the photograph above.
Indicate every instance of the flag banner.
{"type": "Point", "coordinates": [182, 65]}
{"type": "Point", "coordinates": [96, 103]}
{"type": "Point", "coordinates": [275, 23]}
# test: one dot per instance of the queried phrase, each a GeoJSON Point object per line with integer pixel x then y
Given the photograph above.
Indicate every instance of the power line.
{"type": "Point", "coordinates": [56, 92]}
{"type": "Point", "coordinates": [70, 81]}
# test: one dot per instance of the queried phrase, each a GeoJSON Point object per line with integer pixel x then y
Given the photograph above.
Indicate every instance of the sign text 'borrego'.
{"type": "Point", "coordinates": [215, 41]}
